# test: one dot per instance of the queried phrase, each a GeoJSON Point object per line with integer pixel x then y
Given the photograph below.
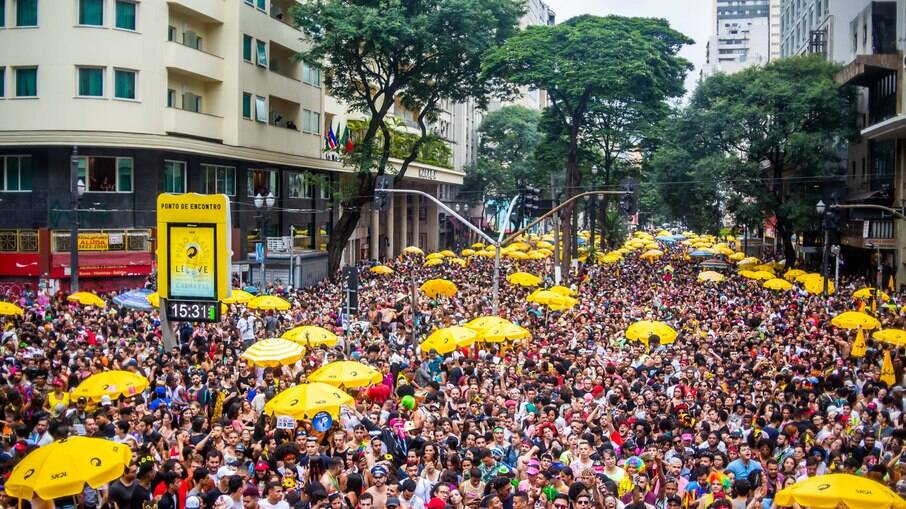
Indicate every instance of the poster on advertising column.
{"type": "Point", "coordinates": [192, 261]}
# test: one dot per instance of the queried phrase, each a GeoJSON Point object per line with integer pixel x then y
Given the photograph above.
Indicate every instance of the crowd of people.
{"type": "Point", "coordinates": [757, 392]}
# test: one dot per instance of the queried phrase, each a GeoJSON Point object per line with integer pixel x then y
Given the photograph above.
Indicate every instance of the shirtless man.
{"type": "Point", "coordinates": [378, 490]}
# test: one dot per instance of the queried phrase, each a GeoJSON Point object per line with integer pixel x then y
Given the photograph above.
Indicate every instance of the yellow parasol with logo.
{"type": "Point", "coordinates": [237, 296]}
{"type": "Point", "coordinates": [311, 335]}
{"type": "Point", "coordinates": [381, 270]}
{"type": "Point", "coordinates": [523, 279]}
{"type": "Point", "coordinates": [503, 332]}
{"type": "Point", "coordinates": [268, 302]}
{"type": "Point", "coordinates": [87, 299]}
{"type": "Point", "coordinates": [643, 329]}
{"type": "Point", "coordinates": [895, 337]}
{"type": "Point", "coordinates": [710, 275]}
{"type": "Point", "coordinates": [273, 352]}
{"type": "Point", "coordinates": [448, 339]}
{"type": "Point", "coordinates": [412, 250]}
{"type": "Point", "coordinates": [433, 262]}
{"type": "Point", "coordinates": [346, 374]}
{"type": "Point", "coordinates": [305, 400]}
{"type": "Point", "coordinates": [434, 287]}
{"type": "Point", "coordinates": [8, 308]}
{"type": "Point", "coordinates": [855, 320]}
{"type": "Point", "coordinates": [777, 284]}
{"type": "Point", "coordinates": [869, 293]}
{"type": "Point", "coordinates": [839, 490]}
{"type": "Point", "coordinates": [113, 383]}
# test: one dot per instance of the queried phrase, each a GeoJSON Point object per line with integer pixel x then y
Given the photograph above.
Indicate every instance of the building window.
{"type": "Point", "coordinates": [311, 75]}
{"type": "Point", "coordinates": [26, 13]}
{"type": "Point", "coordinates": [2, 79]}
{"type": "Point", "coordinates": [91, 12]}
{"type": "Point", "coordinates": [2, 13]}
{"type": "Point", "coordinates": [247, 47]}
{"type": "Point", "coordinates": [191, 102]}
{"type": "Point", "coordinates": [16, 173]}
{"type": "Point", "coordinates": [325, 190]}
{"type": "Point", "coordinates": [192, 40]}
{"type": "Point", "coordinates": [262, 5]}
{"type": "Point", "coordinates": [260, 109]}
{"type": "Point", "coordinates": [125, 15]}
{"type": "Point", "coordinates": [171, 98]}
{"type": "Point", "coordinates": [174, 176]}
{"type": "Point", "coordinates": [91, 82]}
{"type": "Point", "coordinates": [262, 53]}
{"type": "Point", "coordinates": [219, 179]}
{"type": "Point", "coordinates": [124, 84]}
{"type": "Point", "coordinates": [171, 33]}
{"type": "Point", "coordinates": [311, 121]}
{"type": "Point", "coordinates": [27, 82]}
{"type": "Point", "coordinates": [299, 186]}
{"type": "Point", "coordinates": [106, 174]}
{"type": "Point", "coordinates": [246, 105]}
{"type": "Point", "coordinates": [262, 182]}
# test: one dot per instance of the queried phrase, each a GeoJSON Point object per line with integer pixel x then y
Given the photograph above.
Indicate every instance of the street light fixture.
{"type": "Point", "coordinates": [594, 213]}
{"type": "Point", "coordinates": [264, 206]}
{"type": "Point", "coordinates": [821, 209]}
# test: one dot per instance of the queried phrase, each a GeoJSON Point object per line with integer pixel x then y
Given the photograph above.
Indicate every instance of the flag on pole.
{"type": "Point", "coordinates": [859, 345]}
{"type": "Point", "coordinates": [891, 285]}
{"type": "Point", "coordinates": [346, 140]}
{"type": "Point", "coordinates": [331, 139]}
{"type": "Point", "coordinates": [887, 373]}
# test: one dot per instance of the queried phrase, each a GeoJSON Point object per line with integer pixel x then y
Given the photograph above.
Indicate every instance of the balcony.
{"type": "Point", "coordinates": [197, 63]}
{"type": "Point", "coordinates": [196, 125]}
{"type": "Point", "coordinates": [210, 10]}
{"type": "Point", "coordinates": [879, 233]}
{"type": "Point", "coordinates": [280, 10]}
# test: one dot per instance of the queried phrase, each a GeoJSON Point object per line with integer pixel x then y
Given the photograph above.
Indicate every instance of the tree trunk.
{"type": "Point", "coordinates": [567, 215]}
{"type": "Point", "coordinates": [784, 230]}
{"type": "Point", "coordinates": [605, 203]}
{"type": "Point", "coordinates": [339, 236]}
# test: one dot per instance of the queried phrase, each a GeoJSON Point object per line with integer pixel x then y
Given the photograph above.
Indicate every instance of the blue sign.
{"type": "Point", "coordinates": [321, 422]}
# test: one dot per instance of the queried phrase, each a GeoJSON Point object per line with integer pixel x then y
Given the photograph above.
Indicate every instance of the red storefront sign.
{"type": "Point", "coordinates": [103, 264]}
{"type": "Point", "coordinates": [20, 264]}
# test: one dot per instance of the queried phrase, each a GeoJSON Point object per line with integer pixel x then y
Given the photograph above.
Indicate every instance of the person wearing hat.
{"type": "Point", "coordinates": [378, 490]}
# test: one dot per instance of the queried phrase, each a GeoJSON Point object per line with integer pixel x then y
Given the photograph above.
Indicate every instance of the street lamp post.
{"type": "Point", "coordinates": [821, 209]}
{"type": "Point", "coordinates": [594, 213]}
{"type": "Point", "coordinates": [77, 189]}
{"type": "Point", "coordinates": [264, 206]}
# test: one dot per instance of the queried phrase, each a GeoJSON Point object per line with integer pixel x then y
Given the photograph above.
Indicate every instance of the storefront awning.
{"type": "Point", "coordinates": [866, 69]}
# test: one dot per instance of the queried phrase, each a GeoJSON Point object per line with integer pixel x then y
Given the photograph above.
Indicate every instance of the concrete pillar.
{"type": "Point", "coordinates": [404, 222]}
{"type": "Point", "coordinates": [416, 205]}
{"type": "Point", "coordinates": [391, 243]}
{"type": "Point", "coordinates": [375, 235]}
{"type": "Point", "coordinates": [433, 227]}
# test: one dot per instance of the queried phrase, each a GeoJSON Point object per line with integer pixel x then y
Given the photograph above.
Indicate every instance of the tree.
{"type": "Point", "coordinates": [506, 147]}
{"type": "Point", "coordinates": [767, 135]}
{"type": "Point", "coordinates": [591, 59]}
{"type": "Point", "coordinates": [415, 53]}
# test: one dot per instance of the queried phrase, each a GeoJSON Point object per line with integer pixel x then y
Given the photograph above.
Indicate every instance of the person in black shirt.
{"type": "Point", "coordinates": [141, 492]}
{"type": "Point", "coordinates": [120, 492]}
{"type": "Point", "coordinates": [170, 498]}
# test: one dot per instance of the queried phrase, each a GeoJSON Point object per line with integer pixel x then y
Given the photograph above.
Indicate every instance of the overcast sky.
{"type": "Point", "coordinates": [691, 17]}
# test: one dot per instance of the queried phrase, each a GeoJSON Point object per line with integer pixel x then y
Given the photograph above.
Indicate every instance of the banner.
{"type": "Point", "coordinates": [192, 261]}
{"type": "Point", "coordinates": [94, 242]}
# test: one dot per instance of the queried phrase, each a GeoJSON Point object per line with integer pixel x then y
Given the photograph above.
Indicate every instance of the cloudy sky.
{"type": "Point", "coordinates": [691, 17]}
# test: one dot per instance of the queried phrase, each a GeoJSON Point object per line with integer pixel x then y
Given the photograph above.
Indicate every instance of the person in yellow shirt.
{"type": "Point", "coordinates": [58, 395]}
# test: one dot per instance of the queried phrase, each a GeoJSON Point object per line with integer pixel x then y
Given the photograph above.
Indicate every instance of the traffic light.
{"type": "Point", "coordinates": [532, 199]}
{"type": "Point", "coordinates": [629, 203]}
{"type": "Point", "coordinates": [381, 196]}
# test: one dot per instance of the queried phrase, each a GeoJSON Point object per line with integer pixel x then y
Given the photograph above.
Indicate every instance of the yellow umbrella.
{"type": "Point", "coordinates": [735, 257]}
{"type": "Point", "coordinates": [114, 383]}
{"type": "Point", "coordinates": [468, 252]}
{"type": "Point", "coordinates": [503, 332]}
{"type": "Point", "coordinates": [519, 246]}
{"type": "Point", "coordinates": [544, 245]}
{"type": "Point", "coordinates": [815, 286]}
{"type": "Point", "coordinates": [802, 278]}
{"type": "Point", "coordinates": [448, 339]}
{"type": "Point", "coordinates": [478, 245]}
{"type": "Point", "coordinates": [311, 335]}
{"type": "Point", "coordinates": [830, 491]}
{"type": "Point", "coordinates": [87, 299]}
{"type": "Point", "coordinates": [644, 329]}
{"type": "Point", "coordinates": [748, 274]}
{"type": "Point", "coordinates": [304, 401]}
{"type": "Point", "coordinates": [483, 322]}
{"type": "Point", "coordinates": [869, 293]}
{"type": "Point", "coordinates": [236, 297]}
{"type": "Point", "coordinates": [448, 254]}
{"type": "Point", "coordinates": [273, 352]}
{"type": "Point", "coordinates": [763, 267]}
{"type": "Point", "coordinates": [517, 255]}
{"type": "Point", "coordinates": [412, 250]}
{"type": "Point", "coordinates": [486, 254]}
{"type": "Point", "coordinates": [610, 258]}
{"type": "Point", "coordinates": [434, 287]}
{"type": "Point", "coordinates": [381, 269]}
{"type": "Point", "coordinates": [751, 260]}
{"type": "Point", "coordinates": [8, 308]}
{"type": "Point", "coordinates": [435, 256]}
{"type": "Point", "coordinates": [780, 285]}
{"type": "Point", "coordinates": [762, 275]}
{"type": "Point", "coordinates": [457, 261]}
{"type": "Point", "coordinates": [63, 468]}
{"type": "Point", "coordinates": [652, 254]}
{"type": "Point", "coordinates": [792, 274]}
{"type": "Point", "coordinates": [346, 374]}
{"type": "Point", "coordinates": [266, 302]}
{"type": "Point", "coordinates": [895, 337]}
{"type": "Point", "coordinates": [523, 279]}
{"type": "Point", "coordinates": [710, 275]}
{"type": "Point", "coordinates": [552, 299]}
{"type": "Point", "coordinates": [562, 290]}
{"type": "Point", "coordinates": [537, 255]}
{"type": "Point", "coordinates": [433, 262]}
{"type": "Point", "coordinates": [154, 299]}
{"type": "Point", "coordinates": [855, 320]}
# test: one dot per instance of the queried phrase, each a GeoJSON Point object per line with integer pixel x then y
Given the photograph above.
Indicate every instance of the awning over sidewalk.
{"type": "Point", "coordinates": [866, 69]}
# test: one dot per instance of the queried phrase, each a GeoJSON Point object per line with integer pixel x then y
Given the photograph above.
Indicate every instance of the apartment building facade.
{"type": "Point", "coordinates": [176, 96]}
{"type": "Point", "coordinates": [742, 36]}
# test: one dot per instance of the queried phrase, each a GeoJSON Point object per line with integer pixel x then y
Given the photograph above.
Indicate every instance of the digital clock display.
{"type": "Point", "coordinates": [193, 310]}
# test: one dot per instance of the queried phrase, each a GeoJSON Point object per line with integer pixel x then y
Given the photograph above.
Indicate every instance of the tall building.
{"type": "Point", "coordinates": [775, 29]}
{"type": "Point", "coordinates": [741, 36]}
{"type": "Point", "coordinates": [817, 27]}
{"type": "Point", "coordinates": [179, 96]}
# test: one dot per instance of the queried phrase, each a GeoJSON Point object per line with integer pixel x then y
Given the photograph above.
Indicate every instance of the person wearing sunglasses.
{"type": "Point", "coordinates": [561, 501]}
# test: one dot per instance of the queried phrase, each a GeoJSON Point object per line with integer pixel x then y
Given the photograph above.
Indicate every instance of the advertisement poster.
{"type": "Point", "coordinates": [193, 261]}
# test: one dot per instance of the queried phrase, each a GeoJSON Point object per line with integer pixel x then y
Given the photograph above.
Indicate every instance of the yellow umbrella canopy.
{"type": "Point", "coordinates": [830, 491]}
{"type": "Point", "coordinates": [8, 308]}
{"type": "Point", "coordinates": [434, 287]}
{"type": "Point", "coordinates": [433, 262]}
{"type": "Point", "coordinates": [457, 261]}
{"type": "Point", "coordinates": [304, 401]}
{"type": "Point", "coordinates": [485, 254]}
{"type": "Point", "coordinates": [815, 285]}
{"type": "Point", "coordinates": [448, 254]}
{"type": "Point", "coordinates": [792, 274]}
{"type": "Point", "coordinates": [763, 267]}
{"type": "Point", "coordinates": [503, 332]}
{"type": "Point", "coordinates": [311, 335]}
{"type": "Point", "coordinates": [780, 285]}
{"type": "Point", "coordinates": [412, 250]}
{"type": "Point", "coordinates": [652, 254]}
{"type": "Point", "coordinates": [748, 274]}
{"type": "Point", "coordinates": [154, 299]}
{"type": "Point", "coordinates": [562, 290]}
{"type": "Point", "coordinates": [113, 383]}
{"type": "Point", "coordinates": [478, 245]}
{"type": "Point", "coordinates": [736, 257]}
{"type": "Point", "coordinates": [483, 322]}
{"type": "Point", "coordinates": [751, 260]}
{"type": "Point", "coordinates": [519, 246]}
{"type": "Point", "coordinates": [538, 255]}
{"type": "Point", "coordinates": [553, 300]}
{"type": "Point", "coordinates": [710, 275]}
{"type": "Point", "coordinates": [610, 258]}
{"type": "Point", "coordinates": [523, 279]}
{"type": "Point", "coordinates": [237, 296]}
{"type": "Point", "coordinates": [869, 293]}
{"type": "Point", "coordinates": [544, 245]}
{"type": "Point", "coordinates": [855, 320]}
{"type": "Point", "coordinates": [802, 278]}
{"type": "Point", "coordinates": [895, 337]}
{"type": "Point", "coordinates": [644, 329]}
{"type": "Point", "coordinates": [381, 269]}
{"type": "Point", "coordinates": [435, 256]}
{"type": "Point", "coordinates": [87, 299]}
{"type": "Point", "coordinates": [63, 468]}
{"type": "Point", "coordinates": [448, 339]}
{"type": "Point", "coordinates": [268, 302]}
{"type": "Point", "coordinates": [273, 352]}
{"type": "Point", "coordinates": [468, 252]}
{"type": "Point", "coordinates": [517, 255]}
{"type": "Point", "coordinates": [762, 275]}
{"type": "Point", "coordinates": [346, 374]}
